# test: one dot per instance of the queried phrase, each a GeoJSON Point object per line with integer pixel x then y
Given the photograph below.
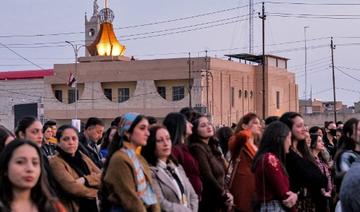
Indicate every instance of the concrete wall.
{"type": "Point", "coordinates": [14, 92]}
{"type": "Point", "coordinates": [319, 119]}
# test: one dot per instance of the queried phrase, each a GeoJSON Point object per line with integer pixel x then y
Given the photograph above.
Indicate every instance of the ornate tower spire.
{"type": "Point", "coordinates": [106, 43]}
{"type": "Point", "coordinates": [95, 8]}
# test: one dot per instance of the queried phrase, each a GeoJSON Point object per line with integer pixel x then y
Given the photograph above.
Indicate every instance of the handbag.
{"type": "Point", "coordinates": [231, 170]}
{"type": "Point", "coordinates": [273, 205]}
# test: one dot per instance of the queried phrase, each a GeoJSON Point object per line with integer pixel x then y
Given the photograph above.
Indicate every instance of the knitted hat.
{"type": "Point", "coordinates": [127, 121]}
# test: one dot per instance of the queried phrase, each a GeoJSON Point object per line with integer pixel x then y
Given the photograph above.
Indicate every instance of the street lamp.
{"type": "Point", "coordinates": [76, 49]}
{"type": "Point", "coordinates": [306, 105]}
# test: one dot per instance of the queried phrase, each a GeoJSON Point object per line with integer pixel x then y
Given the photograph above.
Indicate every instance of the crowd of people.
{"type": "Point", "coordinates": [183, 163]}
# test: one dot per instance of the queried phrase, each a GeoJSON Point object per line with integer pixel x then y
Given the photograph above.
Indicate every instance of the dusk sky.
{"type": "Point", "coordinates": [36, 32]}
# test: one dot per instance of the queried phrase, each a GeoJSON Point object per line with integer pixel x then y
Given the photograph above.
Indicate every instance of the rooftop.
{"type": "Point", "coordinates": [26, 74]}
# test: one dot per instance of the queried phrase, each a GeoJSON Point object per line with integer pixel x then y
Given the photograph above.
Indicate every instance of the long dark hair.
{"type": "Point", "coordinates": [40, 194]}
{"type": "Point", "coordinates": [196, 138]}
{"type": "Point", "coordinates": [346, 141]}
{"type": "Point", "coordinates": [106, 140]}
{"type": "Point", "coordinates": [4, 135]}
{"type": "Point", "coordinates": [223, 135]}
{"type": "Point", "coordinates": [148, 151]}
{"type": "Point", "coordinates": [288, 119]}
{"type": "Point", "coordinates": [23, 124]}
{"type": "Point", "coordinates": [272, 141]}
{"type": "Point", "coordinates": [176, 125]}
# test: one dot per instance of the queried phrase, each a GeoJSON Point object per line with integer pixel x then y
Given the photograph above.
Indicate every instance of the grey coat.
{"type": "Point", "coordinates": [166, 191]}
{"type": "Point", "coordinates": [349, 191]}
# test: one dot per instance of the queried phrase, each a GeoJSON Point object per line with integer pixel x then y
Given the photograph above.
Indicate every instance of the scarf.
{"type": "Point", "coordinates": [76, 162]}
{"type": "Point", "coordinates": [143, 188]}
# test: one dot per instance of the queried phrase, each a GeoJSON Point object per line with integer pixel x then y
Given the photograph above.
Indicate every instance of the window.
{"type": "Point", "coordinates": [162, 91]}
{"type": "Point", "coordinates": [232, 96]}
{"type": "Point", "coordinates": [91, 32]}
{"type": "Point", "coordinates": [178, 93]}
{"type": "Point", "coordinates": [245, 94]}
{"type": "Point", "coordinates": [240, 93]}
{"type": "Point", "coordinates": [71, 96]}
{"type": "Point", "coordinates": [108, 93]}
{"type": "Point", "coordinates": [277, 99]}
{"type": "Point", "coordinates": [251, 94]}
{"type": "Point", "coordinates": [58, 95]}
{"type": "Point", "coordinates": [124, 94]}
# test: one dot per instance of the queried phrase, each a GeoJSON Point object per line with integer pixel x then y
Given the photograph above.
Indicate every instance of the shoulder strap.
{"type": "Point", "coordinates": [232, 168]}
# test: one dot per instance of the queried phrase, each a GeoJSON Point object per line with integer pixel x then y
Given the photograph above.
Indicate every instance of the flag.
{"type": "Point", "coordinates": [72, 80]}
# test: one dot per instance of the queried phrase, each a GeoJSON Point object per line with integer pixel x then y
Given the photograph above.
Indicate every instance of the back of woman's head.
{"type": "Point", "coordinates": [40, 194]}
{"type": "Point", "coordinates": [223, 135]}
{"type": "Point", "coordinates": [23, 124]}
{"type": "Point", "coordinates": [347, 141]}
{"type": "Point", "coordinates": [288, 118]}
{"type": "Point", "coordinates": [106, 139]}
{"type": "Point", "coordinates": [314, 130]}
{"type": "Point", "coordinates": [273, 141]}
{"type": "Point", "coordinates": [4, 135]}
{"type": "Point", "coordinates": [245, 120]}
{"type": "Point", "coordinates": [189, 113]}
{"type": "Point", "coordinates": [61, 129]}
{"type": "Point", "coordinates": [176, 125]}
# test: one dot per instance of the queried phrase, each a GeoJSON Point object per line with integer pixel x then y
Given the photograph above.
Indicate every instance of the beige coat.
{"type": "Point", "coordinates": [66, 176]}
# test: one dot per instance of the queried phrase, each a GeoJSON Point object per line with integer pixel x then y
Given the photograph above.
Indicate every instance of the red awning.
{"type": "Point", "coordinates": [26, 74]}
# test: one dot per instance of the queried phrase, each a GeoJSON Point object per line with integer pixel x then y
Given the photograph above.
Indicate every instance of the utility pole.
{"type": "Point", "coordinates": [306, 106]}
{"type": "Point", "coordinates": [332, 47]}
{"type": "Point", "coordinates": [190, 86]}
{"type": "Point", "coordinates": [263, 17]}
{"type": "Point", "coordinates": [207, 82]}
{"type": "Point", "coordinates": [251, 26]}
{"type": "Point", "coordinates": [76, 49]}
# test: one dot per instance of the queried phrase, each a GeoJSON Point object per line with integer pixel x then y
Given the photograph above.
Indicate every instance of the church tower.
{"type": "Point", "coordinates": [92, 27]}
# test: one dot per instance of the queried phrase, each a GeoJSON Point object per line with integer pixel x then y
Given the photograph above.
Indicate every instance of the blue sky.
{"type": "Point", "coordinates": [219, 26]}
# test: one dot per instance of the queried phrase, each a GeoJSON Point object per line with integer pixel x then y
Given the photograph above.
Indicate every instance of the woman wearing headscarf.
{"type": "Point", "coordinates": [127, 182]}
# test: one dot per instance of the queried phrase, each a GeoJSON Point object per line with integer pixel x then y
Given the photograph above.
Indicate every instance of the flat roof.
{"type": "Point", "coordinates": [252, 57]}
{"type": "Point", "coordinates": [25, 74]}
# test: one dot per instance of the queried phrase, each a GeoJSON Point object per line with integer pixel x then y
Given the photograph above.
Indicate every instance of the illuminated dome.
{"type": "Point", "coordinates": [106, 43]}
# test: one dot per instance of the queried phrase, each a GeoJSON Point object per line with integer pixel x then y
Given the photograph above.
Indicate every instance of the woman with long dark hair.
{"type": "Point", "coordinates": [174, 189]}
{"type": "Point", "coordinates": [78, 176]}
{"type": "Point", "coordinates": [107, 139]}
{"type": "Point", "coordinates": [30, 128]}
{"type": "Point", "coordinates": [348, 151]}
{"type": "Point", "coordinates": [215, 196]}
{"type": "Point", "coordinates": [306, 178]}
{"type": "Point", "coordinates": [180, 129]}
{"type": "Point", "coordinates": [126, 181]}
{"type": "Point", "coordinates": [316, 147]}
{"type": "Point", "coordinates": [271, 178]}
{"type": "Point", "coordinates": [22, 183]}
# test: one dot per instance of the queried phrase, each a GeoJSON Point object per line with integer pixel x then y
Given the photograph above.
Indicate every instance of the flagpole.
{"type": "Point", "coordinates": [76, 49]}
